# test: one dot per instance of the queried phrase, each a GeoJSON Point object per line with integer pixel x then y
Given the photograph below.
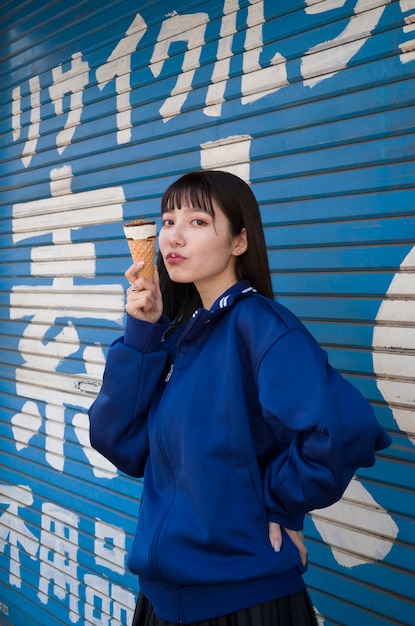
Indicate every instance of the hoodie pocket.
{"type": "Point", "coordinates": [256, 519]}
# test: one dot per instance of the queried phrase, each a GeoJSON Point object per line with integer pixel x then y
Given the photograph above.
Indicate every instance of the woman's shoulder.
{"type": "Point", "coordinates": [259, 323]}
{"type": "Point", "coordinates": [263, 313]}
{"type": "Point", "coordinates": [263, 324]}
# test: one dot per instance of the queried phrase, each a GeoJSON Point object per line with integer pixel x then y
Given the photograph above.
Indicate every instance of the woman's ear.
{"type": "Point", "coordinates": [241, 243]}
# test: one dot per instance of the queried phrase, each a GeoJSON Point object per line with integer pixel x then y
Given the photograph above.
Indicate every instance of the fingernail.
{"type": "Point", "coordinates": [140, 264]}
{"type": "Point", "coordinates": [277, 546]}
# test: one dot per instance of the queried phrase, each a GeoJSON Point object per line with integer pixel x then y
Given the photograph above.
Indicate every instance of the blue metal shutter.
{"type": "Point", "coordinates": [103, 105]}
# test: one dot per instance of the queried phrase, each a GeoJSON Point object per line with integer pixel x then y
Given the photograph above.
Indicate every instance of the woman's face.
{"type": "Point", "coordinates": [198, 248]}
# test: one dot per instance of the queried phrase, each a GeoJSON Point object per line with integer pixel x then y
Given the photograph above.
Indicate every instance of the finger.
{"type": "Point", "coordinates": [131, 273]}
{"type": "Point", "coordinates": [297, 538]}
{"type": "Point", "coordinates": [142, 283]}
{"type": "Point", "coordinates": [303, 554]}
{"type": "Point", "coordinates": [132, 291]}
{"type": "Point", "coordinates": [156, 277]}
{"type": "Point", "coordinates": [275, 536]}
{"type": "Point", "coordinates": [140, 297]}
{"type": "Point", "coordinates": [136, 305]}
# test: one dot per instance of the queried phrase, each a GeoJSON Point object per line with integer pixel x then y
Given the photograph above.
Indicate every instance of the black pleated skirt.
{"type": "Point", "coordinates": [293, 610]}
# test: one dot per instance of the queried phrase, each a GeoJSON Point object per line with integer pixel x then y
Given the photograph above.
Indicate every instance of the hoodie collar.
{"type": "Point", "coordinates": [237, 291]}
{"type": "Point", "coordinates": [203, 316]}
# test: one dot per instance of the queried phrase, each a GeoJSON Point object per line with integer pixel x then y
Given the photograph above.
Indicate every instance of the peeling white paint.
{"type": "Point", "coordinates": [190, 28]}
{"type": "Point", "coordinates": [326, 59]}
{"type": "Point", "coordinates": [230, 154]}
{"type": "Point", "coordinates": [38, 380]}
{"type": "Point", "coordinates": [356, 528]}
{"type": "Point", "coordinates": [393, 345]}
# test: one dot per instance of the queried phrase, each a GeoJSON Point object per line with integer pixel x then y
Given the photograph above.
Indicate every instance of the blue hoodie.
{"type": "Point", "coordinates": [234, 420]}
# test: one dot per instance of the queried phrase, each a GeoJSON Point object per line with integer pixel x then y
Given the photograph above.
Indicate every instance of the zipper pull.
{"type": "Point", "coordinates": [169, 373]}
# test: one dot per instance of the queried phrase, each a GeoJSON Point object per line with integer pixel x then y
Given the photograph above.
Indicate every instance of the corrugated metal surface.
{"type": "Point", "coordinates": [102, 105]}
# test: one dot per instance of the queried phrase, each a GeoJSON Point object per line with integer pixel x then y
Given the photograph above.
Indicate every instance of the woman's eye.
{"type": "Point", "coordinates": [199, 222]}
{"type": "Point", "coordinates": [167, 222]}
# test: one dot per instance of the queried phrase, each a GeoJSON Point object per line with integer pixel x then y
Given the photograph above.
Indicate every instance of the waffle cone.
{"type": "Point", "coordinates": [144, 250]}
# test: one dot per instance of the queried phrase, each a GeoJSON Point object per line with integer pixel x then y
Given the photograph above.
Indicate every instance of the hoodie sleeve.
{"type": "Point", "coordinates": [118, 417]}
{"type": "Point", "coordinates": [325, 427]}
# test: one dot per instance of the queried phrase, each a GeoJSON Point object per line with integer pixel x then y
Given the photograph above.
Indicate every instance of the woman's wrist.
{"type": "Point", "coordinates": [144, 336]}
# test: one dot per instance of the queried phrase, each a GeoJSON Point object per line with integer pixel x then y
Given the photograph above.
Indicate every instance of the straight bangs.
{"type": "Point", "coordinates": [192, 190]}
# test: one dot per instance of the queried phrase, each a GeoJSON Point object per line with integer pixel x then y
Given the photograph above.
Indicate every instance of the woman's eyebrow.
{"type": "Point", "coordinates": [194, 209]}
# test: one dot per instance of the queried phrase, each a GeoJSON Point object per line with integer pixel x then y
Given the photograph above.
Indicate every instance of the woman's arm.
{"type": "Point", "coordinates": [329, 427]}
{"type": "Point", "coordinates": [118, 417]}
{"type": "Point", "coordinates": [134, 367]}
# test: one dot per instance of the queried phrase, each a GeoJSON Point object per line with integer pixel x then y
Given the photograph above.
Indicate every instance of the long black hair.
{"type": "Point", "coordinates": [236, 200]}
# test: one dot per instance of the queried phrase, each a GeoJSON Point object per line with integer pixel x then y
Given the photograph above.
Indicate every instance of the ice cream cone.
{"type": "Point", "coordinates": [141, 239]}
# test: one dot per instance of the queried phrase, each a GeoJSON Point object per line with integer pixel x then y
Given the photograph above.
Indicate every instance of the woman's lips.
{"type": "Point", "coordinates": [173, 258]}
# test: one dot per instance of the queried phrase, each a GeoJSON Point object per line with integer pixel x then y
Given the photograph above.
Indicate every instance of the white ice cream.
{"type": "Point", "coordinates": [140, 231]}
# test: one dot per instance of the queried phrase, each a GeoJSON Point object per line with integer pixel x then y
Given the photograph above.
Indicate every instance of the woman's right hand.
{"type": "Point", "coordinates": [144, 299]}
{"type": "Point", "coordinates": [296, 536]}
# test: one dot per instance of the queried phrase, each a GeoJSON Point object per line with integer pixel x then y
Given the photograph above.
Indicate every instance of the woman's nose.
{"type": "Point", "coordinates": [176, 236]}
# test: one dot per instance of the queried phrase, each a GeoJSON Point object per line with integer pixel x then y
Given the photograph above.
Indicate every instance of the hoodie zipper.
{"type": "Point", "coordinates": [160, 523]}
{"type": "Point", "coordinates": [169, 470]}
{"type": "Point", "coordinates": [169, 373]}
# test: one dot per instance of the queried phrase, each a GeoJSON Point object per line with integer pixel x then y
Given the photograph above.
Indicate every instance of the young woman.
{"type": "Point", "coordinates": [227, 406]}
